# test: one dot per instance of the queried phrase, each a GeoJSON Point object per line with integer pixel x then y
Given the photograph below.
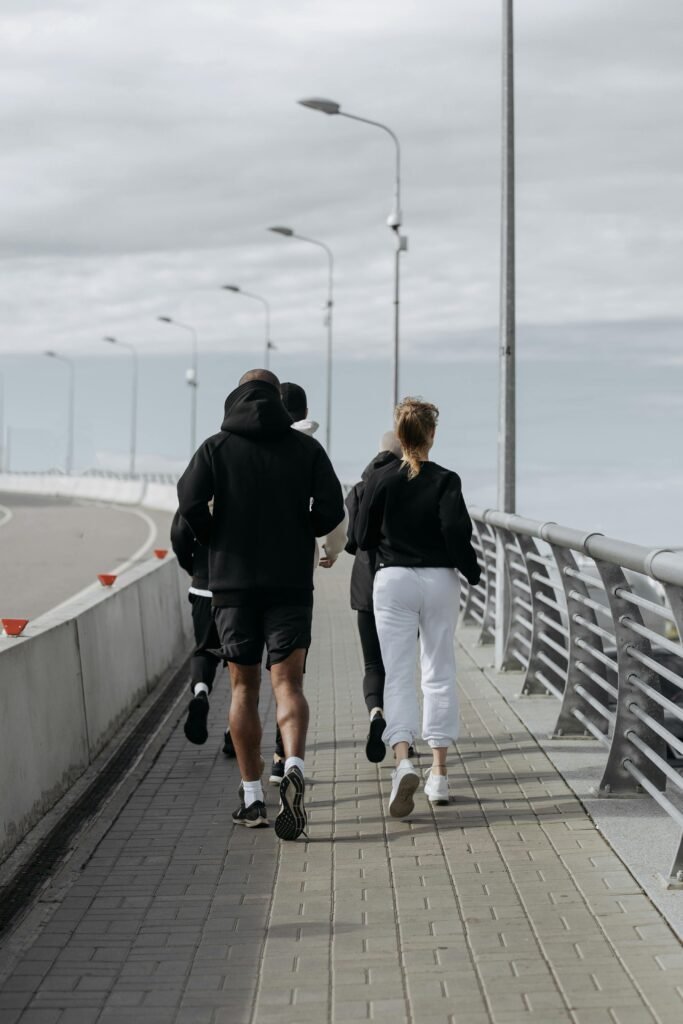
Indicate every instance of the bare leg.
{"type": "Point", "coordinates": [287, 678]}
{"type": "Point", "coordinates": [401, 751]}
{"type": "Point", "coordinates": [439, 755]}
{"type": "Point", "coordinates": [244, 721]}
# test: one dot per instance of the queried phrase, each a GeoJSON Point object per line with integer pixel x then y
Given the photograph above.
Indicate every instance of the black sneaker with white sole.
{"type": "Point", "coordinates": [277, 772]}
{"type": "Point", "coordinates": [375, 749]}
{"type": "Point", "coordinates": [253, 816]}
{"type": "Point", "coordinates": [291, 819]}
{"type": "Point", "coordinates": [195, 724]}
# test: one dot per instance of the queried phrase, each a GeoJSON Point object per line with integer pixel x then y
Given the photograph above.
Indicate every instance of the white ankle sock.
{"type": "Point", "coordinates": [294, 762]}
{"type": "Point", "coordinates": [200, 688]}
{"type": "Point", "coordinates": [405, 763]}
{"type": "Point", "coordinates": [252, 791]}
{"type": "Point", "coordinates": [375, 712]}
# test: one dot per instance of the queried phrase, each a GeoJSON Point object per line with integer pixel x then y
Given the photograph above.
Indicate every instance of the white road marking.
{"type": "Point", "coordinates": [121, 568]}
{"type": "Point", "coordinates": [5, 515]}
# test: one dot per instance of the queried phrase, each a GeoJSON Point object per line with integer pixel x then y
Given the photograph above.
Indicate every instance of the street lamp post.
{"type": "Point", "coordinates": [266, 305]}
{"type": "Point", "coordinates": [192, 379]}
{"type": "Point", "coordinates": [289, 233]}
{"type": "Point", "coordinates": [71, 402]}
{"type": "Point", "coordinates": [507, 389]}
{"type": "Point", "coordinates": [394, 219]}
{"type": "Point", "coordinates": [134, 400]}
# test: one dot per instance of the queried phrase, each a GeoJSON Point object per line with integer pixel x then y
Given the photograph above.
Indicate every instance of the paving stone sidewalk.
{"type": "Point", "coordinates": [505, 906]}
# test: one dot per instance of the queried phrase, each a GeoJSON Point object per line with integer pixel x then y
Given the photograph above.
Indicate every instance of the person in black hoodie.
{"type": "Point", "coordinates": [194, 559]}
{"type": "Point", "coordinates": [413, 514]}
{"type": "Point", "coordinates": [274, 491]}
{"type": "Point", "coordinates": [362, 578]}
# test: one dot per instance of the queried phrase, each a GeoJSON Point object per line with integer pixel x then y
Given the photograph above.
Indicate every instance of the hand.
{"type": "Point", "coordinates": [326, 563]}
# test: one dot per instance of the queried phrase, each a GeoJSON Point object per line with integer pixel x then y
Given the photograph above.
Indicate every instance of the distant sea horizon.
{"type": "Point", "coordinates": [599, 412]}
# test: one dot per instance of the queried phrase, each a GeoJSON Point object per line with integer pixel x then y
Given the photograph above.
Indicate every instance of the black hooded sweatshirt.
{"type": "Point", "coordinates": [363, 572]}
{"type": "Point", "coordinates": [274, 492]}
{"type": "Point", "coordinates": [417, 523]}
{"type": "Point", "coordinates": [192, 556]}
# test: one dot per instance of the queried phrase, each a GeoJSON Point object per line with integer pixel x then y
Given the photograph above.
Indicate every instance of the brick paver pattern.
{"type": "Point", "coordinates": [505, 906]}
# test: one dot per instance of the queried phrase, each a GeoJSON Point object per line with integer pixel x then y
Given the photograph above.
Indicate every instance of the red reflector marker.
{"type": "Point", "coordinates": [106, 579]}
{"type": "Point", "coordinates": [14, 627]}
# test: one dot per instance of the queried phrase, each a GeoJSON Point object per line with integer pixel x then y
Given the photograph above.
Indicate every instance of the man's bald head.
{"type": "Point", "coordinates": [263, 375]}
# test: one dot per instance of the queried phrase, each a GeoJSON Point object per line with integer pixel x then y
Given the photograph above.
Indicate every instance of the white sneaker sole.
{"type": "Point", "coordinates": [438, 801]}
{"type": "Point", "coordinates": [402, 802]}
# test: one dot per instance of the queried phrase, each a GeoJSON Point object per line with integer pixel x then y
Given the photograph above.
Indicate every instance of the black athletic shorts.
{"type": "Point", "coordinates": [245, 631]}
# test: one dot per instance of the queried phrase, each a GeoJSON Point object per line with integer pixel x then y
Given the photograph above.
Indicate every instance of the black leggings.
{"type": "Point", "coordinates": [203, 664]}
{"type": "Point", "coordinates": [373, 680]}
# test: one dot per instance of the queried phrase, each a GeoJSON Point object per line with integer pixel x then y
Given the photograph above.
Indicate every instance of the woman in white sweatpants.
{"type": "Point", "coordinates": [414, 520]}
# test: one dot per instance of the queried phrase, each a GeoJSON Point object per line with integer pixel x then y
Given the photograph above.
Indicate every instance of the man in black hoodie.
{"type": "Point", "coordinates": [274, 492]}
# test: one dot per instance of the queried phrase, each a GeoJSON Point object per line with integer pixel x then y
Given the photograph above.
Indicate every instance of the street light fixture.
{"type": "Point", "coordinates": [134, 399]}
{"type": "Point", "coordinates": [71, 402]}
{"type": "Point", "coordinates": [192, 379]}
{"type": "Point", "coordinates": [394, 220]}
{"type": "Point", "coordinates": [264, 302]}
{"type": "Point", "coordinates": [289, 233]}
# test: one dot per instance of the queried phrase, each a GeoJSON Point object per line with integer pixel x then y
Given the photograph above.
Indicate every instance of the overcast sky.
{"type": "Point", "coordinates": [147, 145]}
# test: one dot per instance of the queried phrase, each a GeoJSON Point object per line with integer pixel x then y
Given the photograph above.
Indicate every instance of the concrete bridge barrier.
{"type": "Point", "coordinates": [68, 686]}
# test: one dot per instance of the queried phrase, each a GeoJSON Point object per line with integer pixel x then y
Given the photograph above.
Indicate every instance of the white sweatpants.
{"type": "Point", "coordinates": [408, 600]}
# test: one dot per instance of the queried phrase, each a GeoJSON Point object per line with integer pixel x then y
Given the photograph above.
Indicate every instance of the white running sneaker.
{"type": "Point", "coordinates": [404, 782]}
{"type": "Point", "coordinates": [436, 787]}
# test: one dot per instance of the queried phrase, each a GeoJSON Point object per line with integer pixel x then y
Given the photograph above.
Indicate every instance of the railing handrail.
{"type": "Point", "coordinates": [664, 564]}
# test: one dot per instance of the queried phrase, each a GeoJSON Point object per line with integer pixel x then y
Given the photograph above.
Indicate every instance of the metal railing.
{"type": "Point", "coordinates": [597, 623]}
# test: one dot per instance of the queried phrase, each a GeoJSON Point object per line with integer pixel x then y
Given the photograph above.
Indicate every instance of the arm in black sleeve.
{"type": "Point", "coordinates": [327, 510]}
{"type": "Point", "coordinates": [368, 528]}
{"type": "Point", "coordinates": [195, 491]}
{"type": "Point", "coordinates": [456, 527]}
{"type": "Point", "coordinates": [352, 503]}
{"type": "Point", "coordinates": [182, 542]}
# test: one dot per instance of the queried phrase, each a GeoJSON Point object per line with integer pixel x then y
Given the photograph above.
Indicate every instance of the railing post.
{"type": "Point", "coordinates": [540, 586]}
{"type": "Point", "coordinates": [506, 631]}
{"type": "Point", "coordinates": [488, 625]}
{"type": "Point", "coordinates": [616, 779]}
{"type": "Point", "coordinates": [582, 665]}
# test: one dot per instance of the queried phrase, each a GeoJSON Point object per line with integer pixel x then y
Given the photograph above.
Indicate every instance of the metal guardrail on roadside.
{"type": "Point", "coordinates": [596, 623]}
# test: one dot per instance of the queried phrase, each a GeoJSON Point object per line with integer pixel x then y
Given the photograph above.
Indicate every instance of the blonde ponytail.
{"type": "Point", "coordinates": [415, 425]}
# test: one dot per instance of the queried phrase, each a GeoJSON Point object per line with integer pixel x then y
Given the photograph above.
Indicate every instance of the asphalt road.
{"type": "Point", "coordinates": [51, 548]}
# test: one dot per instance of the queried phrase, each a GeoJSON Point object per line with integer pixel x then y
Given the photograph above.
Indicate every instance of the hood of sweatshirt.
{"type": "Point", "coordinates": [380, 460]}
{"type": "Point", "coordinates": [305, 426]}
{"type": "Point", "coordinates": [255, 410]}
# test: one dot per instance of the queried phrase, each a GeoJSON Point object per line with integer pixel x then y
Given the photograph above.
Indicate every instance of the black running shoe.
{"type": "Point", "coordinates": [277, 772]}
{"type": "Point", "coordinates": [375, 750]}
{"type": "Point", "coordinates": [291, 819]}
{"type": "Point", "coordinates": [228, 745]}
{"type": "Point", "coordinates": [253, 816]}
{"type": "Point", "coordinates": [195, 723]}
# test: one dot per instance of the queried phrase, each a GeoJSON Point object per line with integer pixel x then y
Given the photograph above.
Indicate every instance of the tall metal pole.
{"type": "Point", "coordinates": [134, 413]}
{"type": "Point", "coordinates": [70, 411]}
{"type": "Point", "coordinates": [328, 404]}
{"type": "Point", "coordinates": [267, 354]}
{"type": "Point", "coordinates": [134, 400]}
{"type": "Point", "coordinates": [266, 305]}
{"type": "Point", "coordinates": [289, 233]}
{"type": "Point", "coordinates": [394, 219]}
{"type": "Point", "coordinates": [507, 415]}
{"type": "Point", "coordinates": [193, 379]}
{"type": "Point", "coordinates": [397, 273]}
